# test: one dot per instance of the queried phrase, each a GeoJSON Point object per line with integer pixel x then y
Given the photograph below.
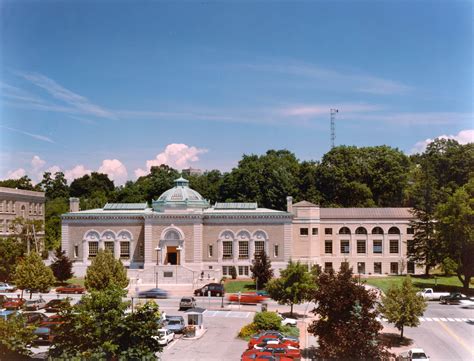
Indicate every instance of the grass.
{"type": "Point", "coordinates": [77, 281]}
{"type": "Point", "coordinates": [234, 286]}
{"type": "Point", "coordinates": [440, 283]}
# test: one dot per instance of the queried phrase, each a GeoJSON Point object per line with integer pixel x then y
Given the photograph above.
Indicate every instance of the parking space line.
{"type": "Point", "coordinates": [436, 319]}
{"type": "Point", "coordinates": [458, 320]}
{"type": "Point", "coordinates": [443, 319]}
{"type": "Point", "coordinates": [464, 319]}
{"type": "Point", "coordinates": [248, 314]}
{"type": "Point", "coordinates": [450, 320]}
{"type": "Point", "coordinates": [227, 314]}
{"type": "Point", "coordinates": [428, 319]}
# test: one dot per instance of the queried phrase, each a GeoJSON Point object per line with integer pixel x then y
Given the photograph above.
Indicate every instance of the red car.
{"type": "Point", "coordinates": [252, 355]}
{"type": "Point", "coordinates": [71, 289]}
{"type": "Point", "coordinates": [282, 350]}
{"type": "Point", "coordinates": [14, 303]}
{"type": "Point", "coordinates": [266, 338]}
{"type": "Point", "coordinates": [247, 298]}
{"type": "Point", "coordinates": [51, 320]}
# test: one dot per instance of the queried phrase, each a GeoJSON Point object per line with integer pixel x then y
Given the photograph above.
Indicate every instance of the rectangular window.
{"type": "Point", "coordinates": [40, 209]}
{"type": "Point", "coordinates": [377, 246]}
{"type": "Point", "coordinates": [93, 249]}
{"type": "Point", "coordinates": [1, 206]}
{"type": "Point", "coordinates": [259, 248]}
{"type": "Point", "coordinates": [243, 270]}
{"type": "Point", "coordinates": [378, 268]}
{"type": "Point", "coordinates": [243, 249]}
{"type": "Point", "coordinates": [345, 247]}
{"type": "Point", "coordinates": [227, 250]}
{"type": "Point", "coordinates": [328, 247]}
{"type": "Point", "coordinates": [141, 250]}
{"type": "Point", "coordinates": [211, 251]}
{"type": "Point", "coordinates": [411, 267]}
{"type": "Point", "coordinates": [109, 246]}
{"type": "Point", "coordinates": [76, 251]}
{"type": "Point", "coordinates": [361, 246]}
{"type": "Point", "coordinates": [394, 246]}
{"type": "Point", "coordinates": [315, 231]}
{"type": "Point", "coordinates": [275, 250]}
{"type": "Point", "coordinates": [327, 230]}
{"type": "Point", "coordinates": [327, 266]}
{"type": "Point", "coordinates": [226, 270]}
{"type": "Point", "coordinates": [31, 208]}
{"type": "Point", "coordinates": [303, 231]}
{"type": "Point", "coordinates": [360, 267]}
{"type": "Point", "coordinates": [410, 230]}
{"type": "Point", "coordinates": [124, 249]}
{"type": "Point", "coordinates": [394, 267]}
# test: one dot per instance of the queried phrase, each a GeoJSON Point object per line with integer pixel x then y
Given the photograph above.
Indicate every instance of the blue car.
{"type": "Point", "coordinates": [153, 293]}
{"type": "Point", "coordinates": [5, 315]}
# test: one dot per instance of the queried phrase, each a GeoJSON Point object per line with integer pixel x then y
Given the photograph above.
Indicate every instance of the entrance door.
{"type": "Point", "coordinates": [172, 255]}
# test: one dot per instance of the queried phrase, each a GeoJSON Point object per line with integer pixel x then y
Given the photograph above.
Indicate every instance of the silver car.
{"type": "Point", "coordinates": [34, 305]}
{"type": "Point", "coordinates": [187, 303]}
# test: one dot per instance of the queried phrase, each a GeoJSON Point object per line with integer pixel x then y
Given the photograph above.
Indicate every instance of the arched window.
{"type": "Point", "coordinates": [393, 230]}
{"type": "Point", "coordinates": [361, 230]}
{"type": "Point", "coordinates": [344, 230]}
{"type": "Point", "coordinates": [23, 211]}
{"type": "Point", "coordinates": [377, 230]}
{"type": "Point", "coordinates": [172, 235]}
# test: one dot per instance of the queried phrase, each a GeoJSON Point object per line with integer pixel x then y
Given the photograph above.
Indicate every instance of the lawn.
{"type": "Point", "coordinates": [234, 286]}
{"type": "Point", "coordinates": [439, 283]}
{"type": "Point", "coordinates": [77, 281]}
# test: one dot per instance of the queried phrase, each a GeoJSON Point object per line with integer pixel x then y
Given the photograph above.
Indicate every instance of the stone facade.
{"type": "Point", "coordinates": [183, 234]}
{"type": "Point", "coordinates": [15, 203]}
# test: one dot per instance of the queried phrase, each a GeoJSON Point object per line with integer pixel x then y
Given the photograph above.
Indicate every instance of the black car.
{"type": "Point", "coordinates": [216, 289]}
{"type": "Point", "coordinates": [153, 293]}
{"type": "Point", "coordinates": [454, 298]}
{"type": "Point", "coordinates": [33, 318]}
{"type": "Point", "coordinates": [56, 305]}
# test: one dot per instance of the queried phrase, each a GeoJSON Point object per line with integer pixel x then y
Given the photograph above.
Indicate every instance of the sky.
{"type": "Point", "coordinates": [120, 86]}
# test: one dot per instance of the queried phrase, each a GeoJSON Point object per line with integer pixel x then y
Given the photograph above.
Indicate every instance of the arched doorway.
{"type": "Point", "coordinates": [171, 246]}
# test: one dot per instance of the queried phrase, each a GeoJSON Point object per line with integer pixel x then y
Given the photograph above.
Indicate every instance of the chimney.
{"type": "Point", "coordinates": [74, 204]}
{"type": "Point", "coordinates": [289, 204]}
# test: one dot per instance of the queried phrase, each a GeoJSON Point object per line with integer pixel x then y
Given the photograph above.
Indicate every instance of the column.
{"type": "Point", "coordinates": [235, 250]}
{"type": "Point", "coordinates": [85, 251]}
{"type": "Point", "coordinates": [117, 249]}
{"type": "Point", "coordinates": [287, 238]}
{"type": "Point", "coordinates": [197, 255]}
{"type": "Point", "coordinates": [65, 238]}
{"type": "Point", "coordinates": [252, 249]}
{"type": "Point", "coordinates": [219, 251]}
{"type": "Point", "coordinates": [148, 246]}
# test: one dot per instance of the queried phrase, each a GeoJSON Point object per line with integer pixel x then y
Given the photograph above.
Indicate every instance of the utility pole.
{"type": "Point", "coordinates": [333, 126]}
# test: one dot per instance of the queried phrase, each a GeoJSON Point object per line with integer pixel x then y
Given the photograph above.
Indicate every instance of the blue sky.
{"type": "Point", "coordinates": [121, 86]}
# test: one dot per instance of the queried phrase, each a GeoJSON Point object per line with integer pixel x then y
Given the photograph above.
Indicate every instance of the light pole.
{"type": "Point", "coordinates": [358, 270]}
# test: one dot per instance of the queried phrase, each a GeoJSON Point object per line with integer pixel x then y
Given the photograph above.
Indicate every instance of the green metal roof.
{"type": "Point", "coordinates": [235, 205]}
{"type": "Point", "coordinates": [125, 206]}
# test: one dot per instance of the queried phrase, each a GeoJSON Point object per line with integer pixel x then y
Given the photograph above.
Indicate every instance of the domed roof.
{"type": "Point", "coordinates": [180, 196]}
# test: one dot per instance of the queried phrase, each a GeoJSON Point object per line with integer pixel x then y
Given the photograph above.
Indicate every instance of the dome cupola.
{"type": "Point", "coordinates": [180, 197]}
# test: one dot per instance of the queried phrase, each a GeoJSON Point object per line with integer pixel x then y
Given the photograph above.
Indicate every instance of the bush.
{"type": "Point", "coordinates": [233, 272]}
{"type": "Point", "coordinates": [290, 331]}
{"type": "Point", "coordinates": [267, 321]}
{"type": "Point", "coordinates": [248, 330]}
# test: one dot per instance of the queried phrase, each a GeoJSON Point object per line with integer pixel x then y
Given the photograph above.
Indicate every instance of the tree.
{"type": "Point", "coordinates": [20, 183]}
{"type": "Point", "coordinates": [294, 286]}
{"type": "Point", "coordinates": [346, 327]}
{"type": "Point", "coordinates": [105, 272]}
{"type": "Point", "coordinates": [52, 228]}
{"type": "Point", "coordinates": [455, 231]}
{"type": "Point", "coordinates": [261, 269]}
{"type": "Point", "coordinates": [16, 338]}
{"type": "Point", "coordinates": [62, 266]}
{"type": "Point", "coordinates": [98, 328]}
{"type": "Point", "coordinates": [54, 188]}
{"type": "Point", "coordinates": [11, 252]}
{"type": "Point", "coordinates": [402, 306]}
{"type": "Point", "coordinates": [26, 231]}
{"type": "Point", "coordinates": [31, 273]}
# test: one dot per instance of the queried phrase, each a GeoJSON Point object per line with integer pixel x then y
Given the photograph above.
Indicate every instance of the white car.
{"type": "Point", "coordinates": [165, 336]}
{"type": "Point", "coordinates": [286, 320]}
{"type": "Point", "coordinates": [5, 287]}
{"type": "Point", "coordinates": [415, 354]}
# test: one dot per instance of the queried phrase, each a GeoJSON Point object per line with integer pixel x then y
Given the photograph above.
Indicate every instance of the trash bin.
{"type": "Point", "coordinates": [264, 306]}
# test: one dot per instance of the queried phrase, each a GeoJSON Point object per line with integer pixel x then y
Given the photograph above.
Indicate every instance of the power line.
{"type": "Point", "coordinates": [333, 126]}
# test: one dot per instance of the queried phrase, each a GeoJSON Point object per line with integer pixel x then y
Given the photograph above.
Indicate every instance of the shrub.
{"type": "Point", "coordinates": [248, 330]}
{"type": "Point", "coordinates": [233, 272]}
{"type": "Point", "coordinates": [267, 321]}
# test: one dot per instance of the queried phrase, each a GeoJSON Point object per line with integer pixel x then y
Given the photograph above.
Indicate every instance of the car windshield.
{"type": "Point", "coordinates": [418, 355]}
{"type": "Point", "coordinates": [174, 322]}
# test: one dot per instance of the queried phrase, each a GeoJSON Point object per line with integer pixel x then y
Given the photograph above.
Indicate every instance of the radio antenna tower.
{"type": "Point", "coordinates": [333, 126]}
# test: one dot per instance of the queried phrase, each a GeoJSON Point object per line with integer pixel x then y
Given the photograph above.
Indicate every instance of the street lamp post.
{"type": "Point", "coordinates": [358, 270]}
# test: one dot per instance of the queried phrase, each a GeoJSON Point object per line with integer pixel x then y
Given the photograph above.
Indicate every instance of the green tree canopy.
{"type": "Point", "coordinates": [16, 338]}
{"type": "Point", "coordinates": [99, 329]}
{"type": "Point", "coordinates": [295, 285]}
{"type": "Point", "coordinates": [402, 306]}
{"type": "Point", "coordinates": [20, 183]}
{"type": "Point", "coordinates": [54, 187]}
{"type": "Point", "coordinates": [455, 230]}
{"type": "Point", "coordinates": [11, 251]}
{"type": "Point", "coordinates": [347, 328]}
{"type": "Point", "coordinates": [105, 272]}
{"type": "Point", "coordinates": [31, 273]}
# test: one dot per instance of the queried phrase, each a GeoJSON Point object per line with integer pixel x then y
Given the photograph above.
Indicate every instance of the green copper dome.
{"type": "Point", "coordinates": [180, 197]}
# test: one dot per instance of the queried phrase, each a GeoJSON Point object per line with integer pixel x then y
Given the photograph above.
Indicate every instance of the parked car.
{"type": "Point", "coordinates": [455, 298]}
{"type": "Point", "coordinates": [33, 318]}
{"type": "Point", "coordinates": [153, 293]}
{"type": "Point", "coordinates": [175, 324]}
{"type": "Point", "coordinates": [276, 333]}
{"type": "Point", "coordinates": [250, 355]}
{"type": "Point", "coordinates": [165, 336]}
{"type": "Point", "coordinates": [5, 287]}
{"type": "Point", "coordinates": [216, 289]}
{"type": "Point", "coordinates": [52, 320]}
{"type": "Point", "coordinates": [187, 303]}
{"type": "Point", "coordinates": [71, 289]}
{"type": "Point", "coordinates": [286, 320]}
{"type": "Point", "coordinates": [415, 354]}
{"type": "Point", "coordinates": [430, 295]}
{"type": "Point", "coordinates": [34, 305]}
{"type": "Point", "coordinates": [279, 338]}
{"type": "Point", "coordinates": [5, 315]}
{"type": "Point", "coordinates": [45, 334]}
{"type": "Point", "coordinates": [56, 304]}
{"type": "Point", "coordinates": [14, 303]}
{"type": "Point", "coordinates": [3, 299]}
{"type": "Point", "coordinates": [250, 297]}
{"type": "Point", "coordinates": [283, 351]}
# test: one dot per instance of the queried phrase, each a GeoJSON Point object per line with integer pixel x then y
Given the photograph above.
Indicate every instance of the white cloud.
{"type": "Point", "coordinates": [115, 170]}
{"type": "Point", "coordinates": [309, 110]}
{"type": "Point", "coordinates": [37, 163]}
{"type": "Point", "coordinates": [76, 172]}
{"type": "Point", "coordinates": [16, 174]}
{"type": "Point", "coordinates": [53, 169]}
{"type": "Point", "coordinates": [463, 137]}
{"type": "Point", "coordinates": [32, 135]}
{"type": "Point", "coordinates": [175, 155]}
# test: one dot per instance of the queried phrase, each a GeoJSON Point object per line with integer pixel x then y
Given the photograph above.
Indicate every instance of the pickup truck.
{"type": "Point", "coordinates": [415, 354]}
{"type": "Point", "coordinates": [429, 294]}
